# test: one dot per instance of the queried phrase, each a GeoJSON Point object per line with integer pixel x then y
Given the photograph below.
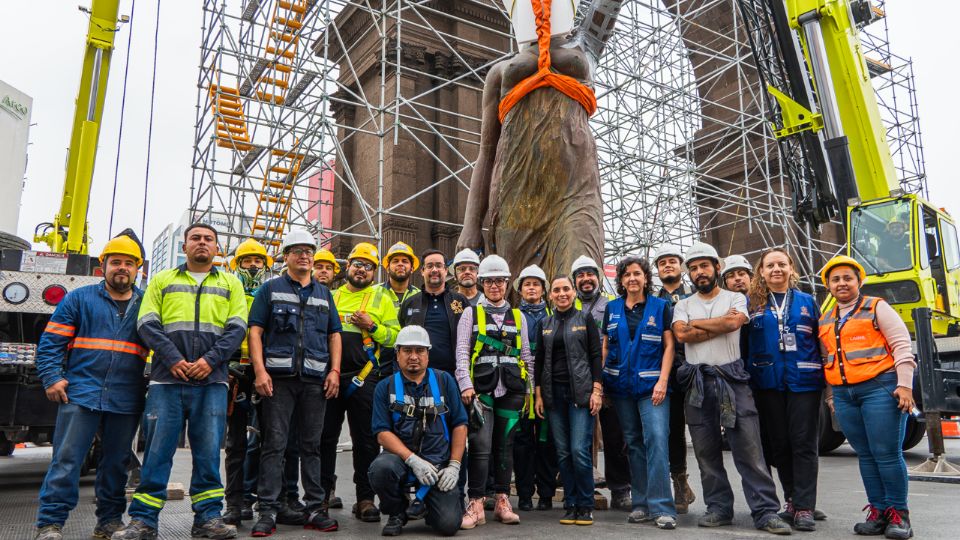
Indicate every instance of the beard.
{"type": "Point", "coordinates": [359, 283]}
{"type": "Point", "coordinates": [120, 282]}
{"type": "Point", "coordinates": [398, 277]}
{"type": "Point", "coordinates": [706, 288]}
{"type": "Point", "coordinates": [670, 280]}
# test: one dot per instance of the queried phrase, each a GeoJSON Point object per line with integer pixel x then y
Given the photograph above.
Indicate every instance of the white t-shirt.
{"type": "Point", "coordinates": [199, 276]}
{"type": "Point", "coordinates": [721, 349]}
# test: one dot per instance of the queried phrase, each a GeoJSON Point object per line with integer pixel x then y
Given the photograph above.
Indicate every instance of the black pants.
{"type": "Point", "coordinates": [290, 396]}
{"type": "Point", "coordinates": [616, 467]}
{"type": "Point", "coordinates": [534, 459]}
{"type": "Point", "coordinates": [389, 477]}
{"type": "Point", "coordinates": [358, 409]}
{"type": "Point", "coordinates": [790, 424]}
{"type": "Point", "coordinates": [236, 443]}
{"type": "Point", "coordinates": [291, 459]}
{"type": "Point", "coordinates": [493, 443]}
{"type": "Point", "coordinates": [678, 429]}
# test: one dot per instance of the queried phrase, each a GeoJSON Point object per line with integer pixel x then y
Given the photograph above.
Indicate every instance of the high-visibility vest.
{"type": "Point", "coordinates": [858, 352]}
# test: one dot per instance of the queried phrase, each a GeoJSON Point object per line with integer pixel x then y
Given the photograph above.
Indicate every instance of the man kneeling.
{"type": "Point", "coordinates": [421, 424]}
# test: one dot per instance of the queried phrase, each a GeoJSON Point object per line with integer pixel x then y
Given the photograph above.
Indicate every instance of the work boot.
{"type": "Point", "coordinates": [106, 530]}
{"type": "Point", "coordinates": [620, 500]}
{"type": "Point", "coordinates": [503, 512]}
{"type": "Point", "coordinates": [898, 524]}
{"type": "Point", "coordinates": [683, 495]}
{"type": "Point", "coordinates": [416, 510]}
{"type": "Point", "coordinates": [213, 528]}
{"type": "Point", "coordinates": [366, 511]}
{"type": "Point", "coordinates": [776, 525]}
{"type": "Point", "coordinates": [135, 530]}
{"type": "Point", "coordinates": [525, 504]}
{"type": "Point", "coordinates": [265, 526]}
{"type": "Point", "coordinates": [288, 516]}
{"type": "Point", "coordinates": [875, 524]}
{"type": "Point", "coordinates": [667, 523]}
{"type": "Point", "coordinates": [788, 512]}
{"type": "Point", "coordinates": [545, 503]}
{"type": "Point", "coordinates": [320, 520]}
{"type": "Point", "coordinates": [49, 532]}
{"type": "Point", "coordinates": [819, 515]}
{"type": "Point", "coordinates": [246, 511]}
{"type": "Point", "coordinates": [332, 500]}
{"type": "Point", "coordinates": [803, 521]}
{"type": "Point", "coordinates": [712, 519]}
{"type": "Point", "coordinates": [293, 502]}
{"type": "Point", "coordinates": [639, 516]}
{"type": "Point", "coordinates": [233, 516]}
{"type": "Point", "coordinates": [475, 514]}
{"type": "Point", "coordinates": [394, 526]}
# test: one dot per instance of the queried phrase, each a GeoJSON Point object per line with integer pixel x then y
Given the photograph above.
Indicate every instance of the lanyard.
{"type": "Point", "coordinates": [780, 311]}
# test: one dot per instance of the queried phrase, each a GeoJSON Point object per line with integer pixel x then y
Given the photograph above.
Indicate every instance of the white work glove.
{"type": "Point", "coordinates": [425, 472]}
{"type": "Point", "coordinates": [449, 476]}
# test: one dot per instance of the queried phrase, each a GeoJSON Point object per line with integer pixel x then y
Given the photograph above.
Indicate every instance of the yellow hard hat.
{"type": "Point", "coordinates": [365, 250]}
{"type": "Point", "coordinates": [400, 248]}
{"type": "Point", "coordinates": [122, 245]}
{"type": "Point", "coordinates": [842, 260]}
{"type": "Point", "coordinates": [327, 256]}
{"type": "Point", "coordinates": [250, 247]}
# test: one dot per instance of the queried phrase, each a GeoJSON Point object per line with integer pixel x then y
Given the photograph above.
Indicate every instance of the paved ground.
{"type": "Point", "coordinates": [933, 505]}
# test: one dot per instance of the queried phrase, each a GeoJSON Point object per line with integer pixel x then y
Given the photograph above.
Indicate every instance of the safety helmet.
{"type": "Point", "coordinates": [842, 260]}
{"type": "Point", "coordinates": [533, 271]}
{"type": "Point", "coordinates": [466, 256]}
{"type": "Point", "coordinates": [123, 245]}
{"type": "Point", "coordinates": [400, 248]}
{"type": "Point", "coordinates": [736, 262]}
{"type": "Point", "coordinates": [493, 266]}
{"type": "Point", "coordinates": [247, 248]}
{"type": "Point", "coordinates": [297, 237]}
{"type": "Point", "coordinates": [584, 262]}
{"type": "Point", "coordinates": [412, 336]}
{"type": "Point", "coordinates": [701, 250]}
{"type": "Point", "coordinates": [365, 250]}
{"type": "Point", "coordinates": [668, 250]}
{"type": "Point", "coordinates": [327, 256]}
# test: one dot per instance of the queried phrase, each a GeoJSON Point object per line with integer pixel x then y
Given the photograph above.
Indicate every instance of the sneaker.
{"type": "Point", "coordinates": [474, 515]}
{"type": "Point", "coordinates": [246, 511]}
{"type": "Point", "coordinates": [106, 530]}
{"type": "Point", "coordinates": [818, 515]}
{"type": "Point", "coordinates": [875, 524]}
{"type": "Point", "coordinates": [49, 532]}
{"type": "Point", "coordinates": [639, 516]}
{"type": "Point", "coordinates": [776, 525]}
{"type": "Point", "coordinates": [265, 526]}
{"type": "Point", "coordinates": [584, 517]}
{"type": "Point", "coordinates": [712, 519]}
{"type": "Point", "coordinates": [366, 511]}
{"type": "Point", "coordinates": [213, 528]}
{"type": "Point", "coordinates": [233, 516]}
{"type": "Point", "coordinates": [569, 516]}
{"type": "Point", "coordinates": [503, 512]}
{"type": "Point", "coordinates": [898, 524]}
{"type": "Point", "coordinates": [666, 522]}
{"type": "Point", "coordinates": [525, 504]}
{"type": "Point", "coordinates": [416, 510]}
{"type": "Point", "coordinates": [394, 526]}
{"type": "Point", "coordinates": [289, 516]}
{"type": "Point", "coordinates": [620, 500]}
{"type": "Point", "coordinates": [788, 512]}
{"type": "Point", "coordinates": [320, 520]}
{"type": "Point", "coordinates": [135, 530]}
{"type": "Point", "coordinates": [803, 521]}
{"type": "Point", "coordinates": [544, 504]}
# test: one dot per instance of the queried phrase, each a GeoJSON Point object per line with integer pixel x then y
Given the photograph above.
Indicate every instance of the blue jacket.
{"type": "Point", "coordinates": [98, 353]}
{"type": "Point", "coordinates": [632, 367]}
{"type": "Point", "coordinates": [533, 314]}
{"type": "Point", "coordinates": [773, 369]}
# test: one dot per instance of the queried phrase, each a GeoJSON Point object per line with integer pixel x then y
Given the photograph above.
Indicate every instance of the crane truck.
{"type": "Point", "coordinates": [833, 144]}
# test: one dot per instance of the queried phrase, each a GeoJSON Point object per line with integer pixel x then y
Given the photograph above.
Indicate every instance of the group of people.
{"type": "Point", "coordinates": [451, 393]}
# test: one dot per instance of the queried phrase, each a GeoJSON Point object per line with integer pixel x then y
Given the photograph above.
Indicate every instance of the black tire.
{"type": "Point", "coordinates": [830, 440]}
{"type": "Point", "coordinates": [6, 446]}
{"type": "Point", "coordinates": [93, 457]}
{"type": "Point", "coordinates": [9, 241]}
{"type": "Point", "coordinates": [913, 433]}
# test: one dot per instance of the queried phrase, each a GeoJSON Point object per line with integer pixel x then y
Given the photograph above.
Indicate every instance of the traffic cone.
{"type": "Point", "coordinates": [951, 427]}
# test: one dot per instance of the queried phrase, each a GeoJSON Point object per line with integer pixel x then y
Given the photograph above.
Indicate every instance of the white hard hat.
{"type": "Point", "coordinates": [701, 250]}
{"type": "Point", "coordinates": [466, 256]}
{"type": "Point", "coordinates": [668, 250]}
{"type": "Point", "coordinates": [533, 271]}
{"type": "Point", "coordinates": [493, 266]}
{"type": "Point", "coordinates": [412, 336]}
{"type": "Point", "coordinates": [297, 237]}
{"type": "Point", "coordinates": [584, 262]}
{"type": "Point", "coordinates": [736, 262]}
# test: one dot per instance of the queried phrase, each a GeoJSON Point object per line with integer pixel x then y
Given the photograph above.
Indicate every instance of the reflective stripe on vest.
{"type": "Point", "coordinates": [369, 347]}
{"type": "Point", "coordinates": [510, 355]}
{"type": "Point", "coordinates": [860, 352]}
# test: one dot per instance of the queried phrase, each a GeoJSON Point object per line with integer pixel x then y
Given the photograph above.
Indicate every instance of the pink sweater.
{"type": "Point", "coordinates": [898, 337]}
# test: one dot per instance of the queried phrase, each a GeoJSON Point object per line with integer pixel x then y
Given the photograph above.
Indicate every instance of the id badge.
{"type": "Point", "coordinates": [789, 340]}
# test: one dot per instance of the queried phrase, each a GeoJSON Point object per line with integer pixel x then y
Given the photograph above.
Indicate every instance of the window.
{"type": "Point", "coordinates": [881, 236]}
{"type": "Point", "coordinates": [951, 251]}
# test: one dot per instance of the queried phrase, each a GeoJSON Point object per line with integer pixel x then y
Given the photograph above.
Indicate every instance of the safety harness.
{"type": "Point", "coordinates": [369, 347]}
{"type": "Point", "coordinates": [505, 350]}
{"type": "Point", "coordinates": [429, 413]}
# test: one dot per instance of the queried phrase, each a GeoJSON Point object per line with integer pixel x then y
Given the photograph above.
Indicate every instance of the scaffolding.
{"type": "Point", "coordinates": [685, 148]}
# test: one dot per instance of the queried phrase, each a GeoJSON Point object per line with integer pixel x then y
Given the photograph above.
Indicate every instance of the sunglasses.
{"type": "Point", "coordinates": [368, 266]}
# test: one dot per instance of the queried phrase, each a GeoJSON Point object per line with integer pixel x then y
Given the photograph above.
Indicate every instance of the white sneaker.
{"type": "Point", "coordinates": [666, 522]}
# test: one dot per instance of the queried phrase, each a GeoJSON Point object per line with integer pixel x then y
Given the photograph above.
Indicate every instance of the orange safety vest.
{"type": "Point", "coordinates": [859, 352]}
{"type": "Point", "coordinates": [569, 86]}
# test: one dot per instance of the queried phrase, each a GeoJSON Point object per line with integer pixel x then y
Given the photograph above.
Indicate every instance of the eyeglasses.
{"type": "Point", "coordinates": [499, 282]}
{"type": "Point", "coordinates": [368, 266]}
{"type": "Point", "coordinates": [301, 251]}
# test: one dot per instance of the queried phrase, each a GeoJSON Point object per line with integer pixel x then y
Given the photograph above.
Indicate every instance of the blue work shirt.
{"type": "Point", "coordinates": [98, 352]}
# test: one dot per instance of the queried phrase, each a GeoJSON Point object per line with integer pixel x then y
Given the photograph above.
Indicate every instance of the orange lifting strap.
{"type": "Point", "coordinates": [573, 88]}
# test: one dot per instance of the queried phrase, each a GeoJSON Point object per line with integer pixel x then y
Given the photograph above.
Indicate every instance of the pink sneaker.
{"type": "Point", "coordinates": [503, 512]}
{"type": "Point", "coordinates": [474, 515]}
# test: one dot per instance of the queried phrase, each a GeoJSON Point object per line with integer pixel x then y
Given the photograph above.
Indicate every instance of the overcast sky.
{"type": "Point", "coordinates": [43, 45]}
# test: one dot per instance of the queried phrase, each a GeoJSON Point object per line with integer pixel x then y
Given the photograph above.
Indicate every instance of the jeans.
{"type": "Point", "coordinates": [615, 466]}
{"type": "Point", "coordinates": [169, 406]}
{"type": "Point", "coordinates": [704, 422]}
{"type": "Point", "coordinates": [390, 479]}
{"type": "Point", "coordinates": [76, 428]}
{"type": "Point", "coordinates": [358, 408]}
{"type": "Point", "coordinates": [875, 427]}
{"type": "Point", "coordinates": [290, 396]}
{"type": "Point", "coordinates": [572, 429]}
{"type": "Point", "coordinates": [534, 459]}
{"type": "Point", "coordinates": [646, 430]}
{"type": "Point", "coordinates": [493, 443]}
{"type": "Point", "coordinates": [790, 425]}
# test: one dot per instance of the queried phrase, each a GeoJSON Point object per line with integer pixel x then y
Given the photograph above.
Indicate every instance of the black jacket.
{"type": "Point", "coordinates": [581, 340]}
{"type": "Point", "coordinates": [413, 310]}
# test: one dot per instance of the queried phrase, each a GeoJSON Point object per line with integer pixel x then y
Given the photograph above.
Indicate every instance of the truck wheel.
{"type": "Point", "coordinates": [913, 433]}
{"type": "Point", "coordinates": [6, 446]}
{"type": "Point", "coordinates": [9, 241]}
{"type": "Point", "coordinates": [830, 440]}
{"type": "Point", "coordinates": [93, 457]}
